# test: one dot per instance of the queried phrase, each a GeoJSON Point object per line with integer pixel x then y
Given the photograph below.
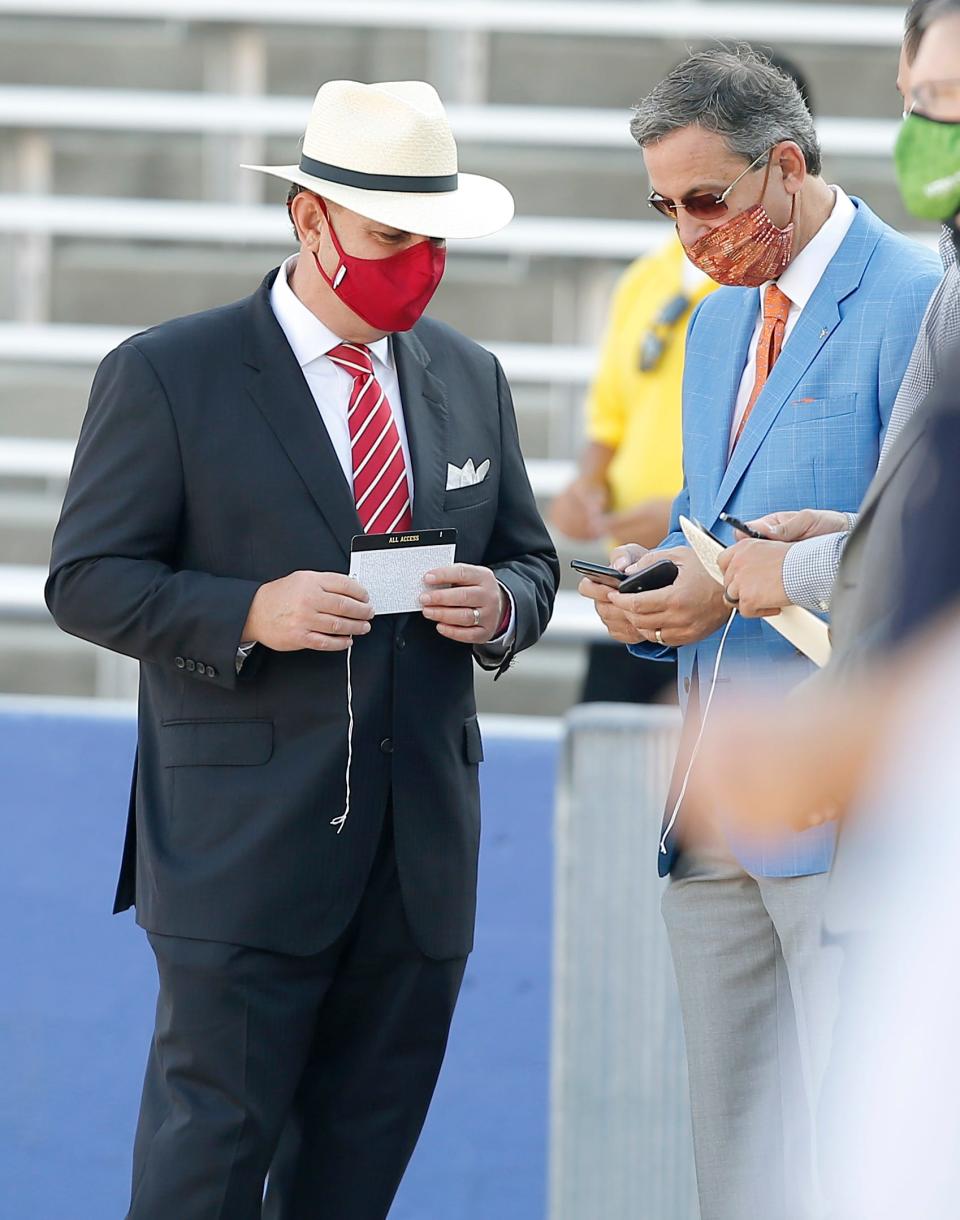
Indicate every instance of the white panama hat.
{"type": "Point", "coordinates": [387, 152]}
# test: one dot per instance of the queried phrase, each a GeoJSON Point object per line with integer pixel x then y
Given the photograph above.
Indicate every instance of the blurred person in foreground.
{"type": "Point", "coordinates": [878, 751]}
{"type": "Point", "coordinates": [846, 563]}
{"type": "Point", "coordinates": [631, 467]}
{"type": "Point", "coordinates": [309, 963]}
{"type": "Point", "coordinates": [786, 393]}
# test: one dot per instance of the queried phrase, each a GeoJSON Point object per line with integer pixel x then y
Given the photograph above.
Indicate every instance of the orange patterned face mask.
{"type": "Point", "coordinates": [748, 250]}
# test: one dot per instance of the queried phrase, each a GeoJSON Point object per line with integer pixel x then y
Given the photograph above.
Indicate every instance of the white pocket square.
{"type": "Point", "coordinates": [468, 476]}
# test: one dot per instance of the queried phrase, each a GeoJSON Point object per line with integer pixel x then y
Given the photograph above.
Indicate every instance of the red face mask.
{"type": "Point", "coordinates": [748, 250]}
{"type": "Point", "coordinates": [389, 294]}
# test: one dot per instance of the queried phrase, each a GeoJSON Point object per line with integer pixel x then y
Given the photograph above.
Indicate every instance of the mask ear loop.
{"type": "Point", "coordinates": [337, 280]}
{"type": "Point", "coordinates": [696, 745]}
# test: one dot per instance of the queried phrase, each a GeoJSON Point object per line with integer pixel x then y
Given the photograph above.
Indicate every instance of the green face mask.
{"type": "Point", "coordinates": [927, 157]}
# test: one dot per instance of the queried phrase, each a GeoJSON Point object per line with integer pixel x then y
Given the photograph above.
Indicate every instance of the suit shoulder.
{"type": "Point", "coordinates": [440, 339]}
{"type": "Point", "coordinates": [178, 338]}
{"type": "Point", "coordinates": [723, 301]}
{"type": "Point", "coordinates": [906, 259]}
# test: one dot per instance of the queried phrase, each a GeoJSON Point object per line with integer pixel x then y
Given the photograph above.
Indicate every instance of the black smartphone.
{"type": "Point", "coordinates": [598, 572]}
{"type": "Point", "coordinates": [658, 576]}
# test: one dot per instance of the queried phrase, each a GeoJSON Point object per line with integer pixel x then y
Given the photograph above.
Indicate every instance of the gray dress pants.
{"type": "Point", "coordinates": [758, 997]}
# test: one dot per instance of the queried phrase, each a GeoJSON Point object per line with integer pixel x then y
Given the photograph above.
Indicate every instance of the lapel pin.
{"type": "Point", "coordinates": [824, 332]}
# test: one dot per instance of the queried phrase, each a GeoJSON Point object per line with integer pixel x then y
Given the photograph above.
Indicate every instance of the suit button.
{"type": "Point", "coordinates": [686, 686]}
{"type": "Point", "coordinates": [386, 746]}
{"type": "Point", "coordinates": [180, 662]}
{"type": "Point", "coordinates": [211, 672]}
{"type": "Point", "coordinates": [401, 643]}
{"type": "Point", "coordinates": [191, 664]}
{"type": "Point", "coordinates": [201, 668]}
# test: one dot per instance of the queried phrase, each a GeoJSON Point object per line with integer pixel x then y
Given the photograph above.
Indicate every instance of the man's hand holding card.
{"type": "Point", "coordinates": [473, 609]}
{"type": "Point", "coordinates": [416, 571]}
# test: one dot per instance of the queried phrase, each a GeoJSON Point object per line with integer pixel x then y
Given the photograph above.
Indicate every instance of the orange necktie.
{"type": "Point", "coordinates": [776, 307]}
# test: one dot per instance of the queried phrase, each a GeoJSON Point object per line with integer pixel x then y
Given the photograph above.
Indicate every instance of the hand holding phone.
{"type": "Point", "coordinates": [658, 576]}
{"type": "Point", "coordinates": [598, 572]}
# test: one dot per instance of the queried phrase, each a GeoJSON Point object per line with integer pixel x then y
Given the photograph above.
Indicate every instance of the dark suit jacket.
{"type": "Point", "coordinates": [203, 470]}
{"type": "Point", "coordinates": [899, 572]}
{"type": "Point", "coordinates": [899, 566]}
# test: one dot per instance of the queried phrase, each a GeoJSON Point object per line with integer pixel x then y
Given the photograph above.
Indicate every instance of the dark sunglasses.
{"type": "Point", "coordinates": [702, 207]}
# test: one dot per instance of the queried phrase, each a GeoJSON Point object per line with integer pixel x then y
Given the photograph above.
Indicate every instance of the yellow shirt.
{"type": "Point", "coordinates": [634, 412]}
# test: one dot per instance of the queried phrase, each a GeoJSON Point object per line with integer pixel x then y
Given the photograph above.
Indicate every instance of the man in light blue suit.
{"type": "Point", "coordinates": [791, 374]}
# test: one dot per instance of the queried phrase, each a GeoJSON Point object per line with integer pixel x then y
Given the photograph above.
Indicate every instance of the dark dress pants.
{"type": "Point", "coordinates": [338, 1053]}
{"type": "Point", "coordinates": [614, 676]}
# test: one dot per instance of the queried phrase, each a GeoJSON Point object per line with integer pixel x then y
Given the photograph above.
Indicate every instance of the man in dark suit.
{"type": "Point", "coordinates": [308, 965]}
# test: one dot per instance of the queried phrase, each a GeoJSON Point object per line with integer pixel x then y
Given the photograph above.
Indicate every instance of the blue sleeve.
{"type": "Point", "coordinates": [681, 506]}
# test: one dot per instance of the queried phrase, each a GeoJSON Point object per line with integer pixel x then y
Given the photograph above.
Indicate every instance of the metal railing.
{"type": "Point", "coordinates": [620, 1145]}
{"type": "Point", "coordinates": [848, 24]}
{"type": "Point", "coordinates": [21, 600]}
{"type": "Point", "coordinates": [43, 108]}
{"type": "Point", "coordinates": [50, 460]}
{"type": "Point", "coordinates": [78, 343]}
{"type": "Point", "coordinates": [221, 223]}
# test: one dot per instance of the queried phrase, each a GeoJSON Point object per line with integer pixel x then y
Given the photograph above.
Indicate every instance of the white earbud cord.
{"type": "Point", "coordinates": [696, 745]}
{"type": "Point", "coordinates": [340, 821]}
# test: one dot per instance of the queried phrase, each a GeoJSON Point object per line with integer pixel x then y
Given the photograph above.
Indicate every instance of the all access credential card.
{"type": "Point", "coordinates": [391, 567]}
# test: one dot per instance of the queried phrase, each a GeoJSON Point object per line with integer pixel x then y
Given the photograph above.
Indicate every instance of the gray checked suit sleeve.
{"type": "Point", "coordinates": [810, 567]}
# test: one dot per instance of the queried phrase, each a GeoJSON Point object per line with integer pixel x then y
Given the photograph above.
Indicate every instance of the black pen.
{"type": "Point", "coordinates": [742, 527]}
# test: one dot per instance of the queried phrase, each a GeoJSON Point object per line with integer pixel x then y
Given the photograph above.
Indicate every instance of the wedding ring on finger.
{"type": "Point", "coordinates": [476, 617]}
{"type": "Point", "coordinates": [659, 638]}
{"type": "Point", "coordinates": [731, 601]}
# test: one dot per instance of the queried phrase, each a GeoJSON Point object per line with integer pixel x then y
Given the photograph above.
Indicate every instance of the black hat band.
{"type": "Point", "coordinates": [437, 184]}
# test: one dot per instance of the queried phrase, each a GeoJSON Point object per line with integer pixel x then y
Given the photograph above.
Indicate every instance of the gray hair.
{"type": "Point", "coordinates": [736, 93]}
{"type": "Point", "coordinates": [932, 13]}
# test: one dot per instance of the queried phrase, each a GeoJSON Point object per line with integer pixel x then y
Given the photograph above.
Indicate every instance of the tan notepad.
{"type": "Point", "coordinates": [802, 628]}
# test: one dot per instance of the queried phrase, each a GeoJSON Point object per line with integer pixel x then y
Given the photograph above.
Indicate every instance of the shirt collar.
{"type": "Point", "coordinates": [806, 271]}
{"type": "Point", "coordinates": [308, 337]}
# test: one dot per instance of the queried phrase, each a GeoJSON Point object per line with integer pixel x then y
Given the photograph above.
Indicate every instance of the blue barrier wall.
{"type": "Point", "coordinates": [77, 984]}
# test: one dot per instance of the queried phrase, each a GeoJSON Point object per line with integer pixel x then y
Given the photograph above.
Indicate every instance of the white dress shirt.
{"type": "Point", "coordinates": [798, 283]}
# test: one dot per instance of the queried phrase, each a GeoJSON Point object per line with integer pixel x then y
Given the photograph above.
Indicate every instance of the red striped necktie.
{"type": "Point", "coordinates": [380, 486]}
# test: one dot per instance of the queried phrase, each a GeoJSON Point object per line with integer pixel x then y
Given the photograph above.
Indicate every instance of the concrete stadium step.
{"type": "Point", "coordinates": [545, 181]}
{"type": "Point", "coordinates": [26, 527]}
{"type": "Point", "coordinates": [576, 70]}
{"type": "Point", "coordinates": [109, 283]}
{"type": "Point", "coordinates": [27, 523]}
{"type": "Point", "coordinates": [43, 401]}
{"type": "Point", "coordinates": [37, 659]}
{"type": "Point", "coordinates": [49, 402]}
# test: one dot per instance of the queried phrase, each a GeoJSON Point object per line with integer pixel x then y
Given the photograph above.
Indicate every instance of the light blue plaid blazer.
{"type": "Point", "coordinates": [812, 441]}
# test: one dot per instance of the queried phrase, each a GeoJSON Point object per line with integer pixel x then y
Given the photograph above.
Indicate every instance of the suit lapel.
{"type": "Point", "coordinates": [276, 384]}
{"type": "Point", "coordinates": [816, 324]}
{"type": "Point", "coordinates": [812, 330]}
{"type": "Point", "coordinates": [724, 381]}
{"type": "Point", "coordinates": [425, 415]}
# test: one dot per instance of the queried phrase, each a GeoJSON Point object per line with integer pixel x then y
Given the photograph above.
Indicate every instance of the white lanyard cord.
{"type": "Point", "coordinates": [340, 821]}
{"type": "Point", "coordinates": [696, 745]}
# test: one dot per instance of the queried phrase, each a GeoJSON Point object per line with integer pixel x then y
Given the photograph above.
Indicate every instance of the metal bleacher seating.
{"type": "Point", "coordinates": [122, 126]}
